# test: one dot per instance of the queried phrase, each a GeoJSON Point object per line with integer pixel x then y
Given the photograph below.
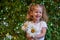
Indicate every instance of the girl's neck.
{"type": "Point", "coordinates": [35, 21]}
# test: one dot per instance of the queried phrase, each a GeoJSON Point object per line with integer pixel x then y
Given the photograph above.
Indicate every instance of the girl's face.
{"type": "Point", "coordinates": [37, 13]}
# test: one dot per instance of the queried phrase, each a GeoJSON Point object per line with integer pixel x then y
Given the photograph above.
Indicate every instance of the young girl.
{"type": "Point", "coordinates": [36, 26]}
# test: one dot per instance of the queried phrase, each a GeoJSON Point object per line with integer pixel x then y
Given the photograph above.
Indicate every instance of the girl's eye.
{"type": "Point", "coordinates": [39, 12]}
{"type": "Point", "coordinates": [36, 12]}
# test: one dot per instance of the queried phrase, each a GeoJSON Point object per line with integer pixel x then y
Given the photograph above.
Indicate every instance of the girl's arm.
{"type": "Point", "coordinates": [43, 32]}
{"type": "Point", "coordinates": [28, 37]}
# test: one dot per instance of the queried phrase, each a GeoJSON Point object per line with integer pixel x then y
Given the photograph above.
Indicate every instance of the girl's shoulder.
{"type": "Point", "coordinates": [43, 23]}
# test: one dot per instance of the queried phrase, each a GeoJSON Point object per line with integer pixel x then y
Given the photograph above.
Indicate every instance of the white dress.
{"type": "Point", "coordinates": [37, 26]}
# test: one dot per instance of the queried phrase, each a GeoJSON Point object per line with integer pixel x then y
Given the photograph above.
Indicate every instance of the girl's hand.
{"type": "Point", "coordinates": [37, 36]}
{"type": "Point", "coordinates": [42, 34]}
{"type": "Point", "coordinates": [29, 37]}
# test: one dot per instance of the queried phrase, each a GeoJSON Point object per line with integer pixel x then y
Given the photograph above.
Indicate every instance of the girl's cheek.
{"type": "Point", "coordinates": [35, 13]}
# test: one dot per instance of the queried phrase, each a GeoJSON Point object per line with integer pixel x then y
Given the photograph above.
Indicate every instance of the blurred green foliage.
{"type": "Point", "coordinates": [13, 14]}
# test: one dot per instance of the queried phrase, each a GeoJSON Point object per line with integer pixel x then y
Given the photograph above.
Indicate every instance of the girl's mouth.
{"type": "Point", "coordinates": [37, 16]}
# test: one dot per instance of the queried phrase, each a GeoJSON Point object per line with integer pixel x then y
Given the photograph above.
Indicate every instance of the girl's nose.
{"type": "Point", "coordinates": [38, 13]}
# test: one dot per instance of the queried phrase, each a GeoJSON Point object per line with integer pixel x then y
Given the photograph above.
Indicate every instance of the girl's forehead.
{"type": "Point", "coordinates": [38, 8]}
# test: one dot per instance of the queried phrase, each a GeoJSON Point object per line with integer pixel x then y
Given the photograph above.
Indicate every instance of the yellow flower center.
{"type": "Point", "coordinates": [32, 30]}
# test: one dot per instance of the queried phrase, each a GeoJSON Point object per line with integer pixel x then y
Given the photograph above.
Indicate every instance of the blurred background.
{"type": "Point", "coordinates": [13, 15]}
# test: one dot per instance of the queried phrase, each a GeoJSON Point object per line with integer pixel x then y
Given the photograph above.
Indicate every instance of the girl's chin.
{"type": "Point", "coordinates": [37, 19]}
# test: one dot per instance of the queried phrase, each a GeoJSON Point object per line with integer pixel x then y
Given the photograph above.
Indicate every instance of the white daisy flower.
{"type": "Point", "coordinates": [24, 27]}
{"type": "Point", "coordinates": [9, 36]}
{"type": "Point", "coordinates": [31, 30]}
